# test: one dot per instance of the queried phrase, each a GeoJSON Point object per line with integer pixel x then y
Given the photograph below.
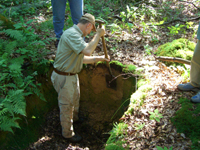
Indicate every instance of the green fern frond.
{"type": "Point", "coordinates": [15, 68]}
{"type": "Point", "coordinates": [39, 94]}
{"type": "Point", "coordinates": [14, 93]}
{"type": "Point", "coordinates": [4, 111]}
{"type": "Point", "coordinates": [10, 48]}
{"type": "Point", "coordinates": [16, 34]}
{"type": "Point", "coordinates": [20, 108]}
{"type": "Point", "coordinates": [6, 123]}
{"type": "Point", "coordinates": [10, 85]}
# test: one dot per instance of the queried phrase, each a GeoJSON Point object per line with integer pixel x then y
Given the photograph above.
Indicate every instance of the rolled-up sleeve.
{"type": "Point", "coordinates": [76, 43]}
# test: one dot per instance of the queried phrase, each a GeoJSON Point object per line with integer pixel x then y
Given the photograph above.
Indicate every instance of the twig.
{"type": "Point", "coordinates": [173, 59]}
{"type": "Point", "coordinates": [179, 20]}
{"type": "Point", "coordinates": [133, 75]}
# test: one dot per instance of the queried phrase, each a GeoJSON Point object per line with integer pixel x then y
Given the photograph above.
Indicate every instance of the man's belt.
{"type": "Point", "coordinates": [63, 73]}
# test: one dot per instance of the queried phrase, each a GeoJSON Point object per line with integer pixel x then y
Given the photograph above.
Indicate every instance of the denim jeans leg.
{"type": "Point", "coordinates": [76, 8]}
{"type": "Point", "coordinates": [58, 7]}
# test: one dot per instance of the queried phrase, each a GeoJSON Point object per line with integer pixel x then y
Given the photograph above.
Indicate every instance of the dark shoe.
{"type": "Point", "coordinates": [56, 43]}
{"type": "Point", "coordinates": [80, 120]}
{"type": "Point", "coordinates": [76, 138]}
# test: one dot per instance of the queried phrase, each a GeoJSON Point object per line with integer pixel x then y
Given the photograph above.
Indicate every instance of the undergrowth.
{"type": "Point", "coordinates": [21, 60]}
{"type": "Point", "coordinates": [181, 48]}
{"type": "Point", "coordinates": [187, 121]}
{"type": "Point", "coordinates": [115, 140]}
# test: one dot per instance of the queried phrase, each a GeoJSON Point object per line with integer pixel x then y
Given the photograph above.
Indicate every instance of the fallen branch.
{"type": "Point", "coordinates": [173, 59]}
{"type": "Point", "coordinates": [184, 21]}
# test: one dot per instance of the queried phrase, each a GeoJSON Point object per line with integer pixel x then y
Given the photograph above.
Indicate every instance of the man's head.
{"type": "Point", "coordinates": [88, 21]}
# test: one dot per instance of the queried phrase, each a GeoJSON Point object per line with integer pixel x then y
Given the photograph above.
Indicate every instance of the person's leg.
{"type": "Point", "coordinates": [64, 87]}
{"type": "Point", "coordinates": [66, 97]}
{"type": "Point", "coordinates": [76, 101]}
{"type": "Point", "coordinates": [195, 67]}
{"type": "Point", "coordinates": [76, 8]}
{"type": "Point", "coordinates": [58, 7]}
{"type": "Point", "coordinates": [194, 84]}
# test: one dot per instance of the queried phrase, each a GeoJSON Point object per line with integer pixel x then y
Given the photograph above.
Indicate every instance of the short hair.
{"type": "Point", "coordinates": [83, 21]}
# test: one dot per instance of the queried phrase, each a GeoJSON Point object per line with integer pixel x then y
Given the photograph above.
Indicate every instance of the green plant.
{"type": "Point", "coordinates": [142, 82]}
{"type": "Point", "coordinates": [148, 49]}
{"type": "Point", "coordinates": [174, 30]}
{"type": "Point", "coordinates": [145, 28]}
{"type": "Point", "coordinates": [114, 142]}
{"type": "Point", "coordinates": [155, 115]}
{"type": "Point", "coordinates": [186, 75]}
{"type": "Point", "coordinates": [13, 9]}
{"type": "Point", "coordinates": [139, 126]}
{"type": "Point", "coordinates": [21, 59]}
{"type": "Point", "coordinates": [129, 68]}
{"type": "Point", "coordinates": [189, 25]}
{"type": "Point", "coordinates": [187, 121]}
{"type": "Point", "coordinates": [165, 148]}
{"type": "Point", "coordinates": [114, 49]}
{"type": "Point", "coordinates": [114, 28]}
{"type": "Point", "coordinates": [128, 15]}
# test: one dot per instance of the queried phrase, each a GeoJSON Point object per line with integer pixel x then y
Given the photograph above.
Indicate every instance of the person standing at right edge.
{"type": "Point", "coordinates": [194, 84]}
{"type": "Point", "coordinates": [59, 6]}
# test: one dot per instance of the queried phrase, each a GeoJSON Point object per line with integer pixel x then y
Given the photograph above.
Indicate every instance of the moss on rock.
{"type": "Point", "coordinates": [181, 48]}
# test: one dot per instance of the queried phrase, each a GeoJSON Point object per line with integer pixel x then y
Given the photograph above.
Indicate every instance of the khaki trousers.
{"type": "Point", "coordinates": [68, 91]}
{"type": "Point", "coordinates": [195, 67]}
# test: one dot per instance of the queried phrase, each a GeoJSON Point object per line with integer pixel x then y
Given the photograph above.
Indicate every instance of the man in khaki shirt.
{"type": "Point", "coordinates": [72, 52]}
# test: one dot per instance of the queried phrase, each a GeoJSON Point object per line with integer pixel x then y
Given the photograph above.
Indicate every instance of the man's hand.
{"type": "Point", "coordinates": [104, 59]}
{"type": "Point", "coordinates": [101, 31]}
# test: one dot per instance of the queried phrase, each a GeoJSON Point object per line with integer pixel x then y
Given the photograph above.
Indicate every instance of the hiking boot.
{"type": "Point", "coordinates": [75, 139]}
{"type": "Point", "coordinates": [188, 87]}
{"type": "Point", "coordinates": [56, 43]}
{"type": "Point", "coordinates": [196, 98]}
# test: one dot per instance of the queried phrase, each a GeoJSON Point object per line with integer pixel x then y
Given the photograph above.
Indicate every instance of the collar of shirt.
{"type": "Point", "coordinates": [78, 29]}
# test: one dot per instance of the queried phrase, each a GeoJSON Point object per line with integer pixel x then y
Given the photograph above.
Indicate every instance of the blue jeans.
{"type": "Point", "coordinates": [58, 6]}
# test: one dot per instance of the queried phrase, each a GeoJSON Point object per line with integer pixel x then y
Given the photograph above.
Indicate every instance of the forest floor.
{"type": "Point", "coordinates": [164, 96]}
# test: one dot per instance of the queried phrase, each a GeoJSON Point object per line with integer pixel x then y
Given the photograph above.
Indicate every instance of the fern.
{"type": "Point", "coordinates": [14, 104]}
{"type": "Point", "coordinates": [9, 48]}
{"type": "Point", "coordinates": [17, 82]}
{"type": "Point", "coordinates": [15, 34]}
{"type": "Point", "coordinates": [6, 123]}
{"type": "Point", "coordinates": [15, 64]}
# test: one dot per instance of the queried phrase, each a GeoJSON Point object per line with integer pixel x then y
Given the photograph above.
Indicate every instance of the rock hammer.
{"type": "Point", "coordinates": [108, 78]}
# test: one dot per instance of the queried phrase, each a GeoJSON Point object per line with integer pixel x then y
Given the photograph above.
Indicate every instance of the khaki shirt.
{"type": "Point", "coordinates": [68, 56]}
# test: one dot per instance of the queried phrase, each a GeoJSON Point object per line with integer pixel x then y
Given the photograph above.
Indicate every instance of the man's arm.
{"type": "Point", "coordinates": [89, 49]}
{"type": "Point", "coordinates": [94, 59]}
